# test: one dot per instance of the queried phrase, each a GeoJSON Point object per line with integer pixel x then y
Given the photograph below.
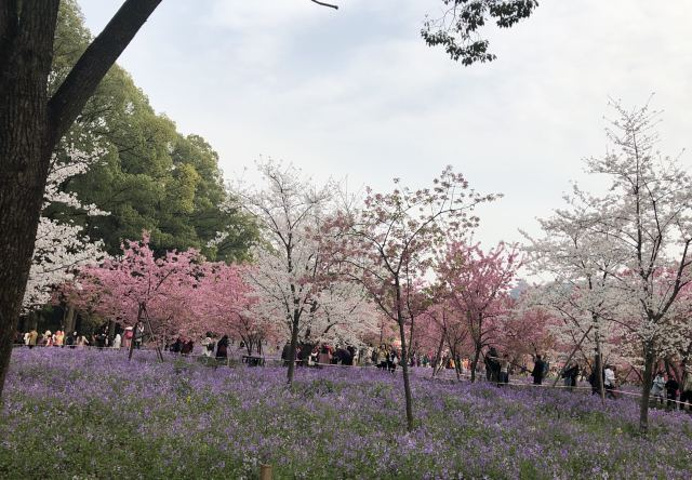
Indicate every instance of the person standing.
{"type": "Point", "coordinates": [658, 386]}
{"type": "Point", "coordinates": [504, 370]}
{"type": "Point", "coordinates": [117, 341]}
{"type": "Point", "coordinates": [672, 386]}
{"type": "Point", "coordinates": [139, 335]}
{"type": "Point", "coordinates": [71, 339]}
{"type": "Point", "coordinates": [609, 381]}
{"type": "Point", "coordinates": [33, 338]}
{"type": "Point", "coordinates": [686, 388]}
{"type": "Point", "coordinates": [59, 338]}
{"type": "Point", "coordinates": [222, 349]}
{"type": "Point", "coordinates": [570, 375]}
{"type": "Point", "coordinates": [81, 340]}
{"type": "Point", "coordinates": [325, 356]}
{"type": "Point", "coordinates": [208, 345]}
{"type": "Point", "coordinates": [538, 370]}
{"type": "Point", "coordinates": [129, 334]}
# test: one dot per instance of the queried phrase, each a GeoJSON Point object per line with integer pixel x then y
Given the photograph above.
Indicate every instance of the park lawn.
{"type": "Point", "coordinates": [92, 414]}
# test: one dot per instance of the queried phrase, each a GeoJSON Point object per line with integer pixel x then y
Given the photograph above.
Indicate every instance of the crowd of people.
{"type": "Point", "coordinates": [101, 338]}
{"type": "Point", "coordinates": [666, 389]}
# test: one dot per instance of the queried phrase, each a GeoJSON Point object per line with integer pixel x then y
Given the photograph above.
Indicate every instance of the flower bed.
{"type": "Point", "coordinates": [93, 414]}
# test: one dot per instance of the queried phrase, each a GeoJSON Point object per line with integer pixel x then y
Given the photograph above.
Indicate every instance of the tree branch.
{"type": "Point", "coordinates": [329, 5]}
{"type": "Point", "coordinates": [99, 57]}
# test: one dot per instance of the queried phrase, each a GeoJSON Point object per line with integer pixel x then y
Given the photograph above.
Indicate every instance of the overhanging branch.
{"type": "Point", "coordinates": [329, 5]}
{"type": "Point", "coordinates": [93, 65]}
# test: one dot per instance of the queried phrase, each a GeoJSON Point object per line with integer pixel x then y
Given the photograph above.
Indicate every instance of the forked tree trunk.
{"type": "Point", "coordinates": [31, 125]}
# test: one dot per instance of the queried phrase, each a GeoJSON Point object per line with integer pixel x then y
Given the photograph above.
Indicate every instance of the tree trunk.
{"type": "Point", "coordinates": [646, 389]}
{"type": "Point", "coordinates": [599, 368]}
{"type": "Point", "coordinates": [407, 380]}
{"type": "Point", "coordinates": [70, 320]}
{"type": "Point", "coordinates": [26, 47]}
{"type": "Point", "coordinates": [439, 355]}
{"type": "Point", "coordinates": [134, 333]}
{"type": "Point", "coordinates": [31, 126]}
{"type": "Point", "coordinates": [474, 364]}
{"type": "Point", "coordinates": [292, 351]}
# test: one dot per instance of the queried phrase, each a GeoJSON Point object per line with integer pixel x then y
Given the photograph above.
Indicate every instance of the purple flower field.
{"type": "Point", "coordinates": [92, 414]}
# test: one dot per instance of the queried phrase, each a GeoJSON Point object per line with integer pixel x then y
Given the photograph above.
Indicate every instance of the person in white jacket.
{"type": "Point", "coordinates": [609, 381]}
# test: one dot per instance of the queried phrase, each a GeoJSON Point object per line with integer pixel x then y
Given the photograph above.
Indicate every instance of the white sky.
{"type": "Point", "coordinates": [355, 93]}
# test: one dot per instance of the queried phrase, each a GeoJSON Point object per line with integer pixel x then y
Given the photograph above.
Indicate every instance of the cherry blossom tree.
{"type": "Point", "coordinates": [61, 246]}
{"type": "Point", "coordinates": [479, 284]}
{"type": "Point", "coordinates": [443, 325]}
{"type": "Point", "coordinates": [164, 293]}
{"type": "Point", "coordinates": [639, 234]}
{"type": "Point", "coordinates": [389, 244]}
{"type": "Point", "coordinates": [292, 279]}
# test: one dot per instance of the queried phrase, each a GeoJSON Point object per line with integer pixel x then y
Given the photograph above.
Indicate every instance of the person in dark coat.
{"type": "Point", "coordinates": [538, 369]}
{"type": "Point", "coordinates": [177, 345]}
{"type": "Point", "coordinates": [570, 375]}
{"type": "Point", "coordinates": [222, 348]}
{"type": "Point", "coordinates": [187, 347]}
{"type": "Point", "coordinates": [285, 354]}
{"type": "Point", "coordinates": [672, 387]}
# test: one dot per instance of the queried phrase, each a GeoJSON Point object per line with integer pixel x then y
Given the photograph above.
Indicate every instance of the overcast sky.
{"type": "Point", "coordinates": [355, 93]}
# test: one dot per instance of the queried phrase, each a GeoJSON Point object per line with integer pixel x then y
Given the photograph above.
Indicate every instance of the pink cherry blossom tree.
{"type": "Point", "coordinates": [479, 285]}
{"type": "Point", "coordinates": [389, 243]}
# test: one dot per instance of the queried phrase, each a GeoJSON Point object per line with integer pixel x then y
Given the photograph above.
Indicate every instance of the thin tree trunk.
{"type": "Point", "coordinates": [292, 350]}
{"type": "Point", "coordinates": [436, 367]}
{"type": "Point", "coordinates": [599, 367]}
{"type": "Point", "coordinates": [474, 364]}
{"type": "Point", "coordinates": [70, 320]}
{"type": "Point", "coordinates": [646, 389]}
{"type": "Point", "coordinates": [159, 353]}
{"type": "Point", "coordinates": [407, 380]}
{"type": "Point", "coordinates": [134, 333]}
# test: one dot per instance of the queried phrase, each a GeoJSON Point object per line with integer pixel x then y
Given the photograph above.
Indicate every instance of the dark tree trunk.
{"type": "Point", "coordinates": [407, 380]}
{"type": "Point", "coordinates": [26, 45]}
{"type": "Point", "coordinates": [437, 366]}
{"type": "Point", "coordinates": [294, 347]}
{"type": "Point", "coordinates": [649, 361]}
{"type": "Point", "coordinates": [31, 125]}
{"type": "Point", "coordinates": [474, 364]}
{"type": "Point", "coordinates": [70, 320]}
